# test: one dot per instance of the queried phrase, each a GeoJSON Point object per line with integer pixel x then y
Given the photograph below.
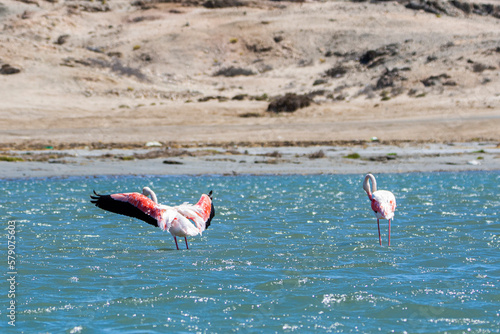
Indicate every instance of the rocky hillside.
{"type": "Point", "coordinates": [85, 59]}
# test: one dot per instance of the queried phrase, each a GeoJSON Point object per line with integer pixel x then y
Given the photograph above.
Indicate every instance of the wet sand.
{"type": "Point", "coordinates": [236, 160]}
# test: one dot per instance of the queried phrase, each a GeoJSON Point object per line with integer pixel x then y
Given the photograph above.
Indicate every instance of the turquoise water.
{"type": "Point", "coordinates": [283, 254]}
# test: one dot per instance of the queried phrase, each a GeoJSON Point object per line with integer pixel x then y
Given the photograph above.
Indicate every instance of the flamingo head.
{"type": "Point", "coordinates": [146, 191]}
{"type": "Point", "coordinates": [366, 185]}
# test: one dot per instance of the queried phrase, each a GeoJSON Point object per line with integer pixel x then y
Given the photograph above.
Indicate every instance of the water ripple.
{"type": "Point", "coordinates": [284, 253]}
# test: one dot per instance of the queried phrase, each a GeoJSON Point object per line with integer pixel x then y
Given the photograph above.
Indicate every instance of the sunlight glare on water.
{"type": "Point", "coordinates": [283, 253]}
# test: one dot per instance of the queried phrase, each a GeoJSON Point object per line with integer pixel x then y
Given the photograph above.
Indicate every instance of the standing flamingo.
{"type": "Point", "coordinates": [383, 203]}
{"type": "Point", "coordinates": [176, 219]}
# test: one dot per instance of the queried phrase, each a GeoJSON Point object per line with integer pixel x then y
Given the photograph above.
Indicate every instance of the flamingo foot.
{"type": "Point", "coordinates": [379, 238]}
{"type": "Point", "coordinates": [185, 238]}
{"type": "Point", "coordinates": [176, 245]}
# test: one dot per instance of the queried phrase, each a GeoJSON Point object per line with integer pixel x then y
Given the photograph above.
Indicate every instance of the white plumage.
{"type": "Point", "coordinates": [383, 203]}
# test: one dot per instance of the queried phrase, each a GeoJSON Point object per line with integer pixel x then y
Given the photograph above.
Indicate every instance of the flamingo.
{"type": "Point", "coordinates": [178, 220]}
{"type": "Point", "coordinates": [383, 203]}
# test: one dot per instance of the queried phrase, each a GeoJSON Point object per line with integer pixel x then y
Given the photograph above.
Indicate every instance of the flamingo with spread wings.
{"type": "Point", "coordinates": [181, 221]}
{"type": "Point", "coordinates": [383, 203]}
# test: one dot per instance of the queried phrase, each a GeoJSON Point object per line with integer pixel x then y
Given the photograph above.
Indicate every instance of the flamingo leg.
{"type": "Point", "coordinates": [379, 238]}
{"type": "Point", "coordinates": [176, 245]}
{"type": "Point", "coordinates": [389, 232]}
{"type": "Point", "coordinates": [185, 238]}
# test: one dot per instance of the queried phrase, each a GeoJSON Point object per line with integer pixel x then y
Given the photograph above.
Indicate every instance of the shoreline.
{"type": "Point", "coordinates": [374, 157]}
{"type": "Point", "coordinates": [89, 86]}
{"type": "Point", "coordinates": [40, 145]}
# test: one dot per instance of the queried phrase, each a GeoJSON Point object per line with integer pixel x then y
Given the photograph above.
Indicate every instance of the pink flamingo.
{"type": "Point", "coordinates": [383, 203]}
{"type": "Point", "coordinates": [178, 220]}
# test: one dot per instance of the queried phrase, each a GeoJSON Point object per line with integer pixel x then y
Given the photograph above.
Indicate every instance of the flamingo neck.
{"type": "Point", "coordinates": [148, 192]}
{"type": "Point", "coordinates": [366, 185]}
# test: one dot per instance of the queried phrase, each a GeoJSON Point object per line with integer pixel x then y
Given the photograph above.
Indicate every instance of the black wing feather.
{"type": "Point", "coordinates": [106, 202]}
{"type": "Point", "coordinates": [212, 211]}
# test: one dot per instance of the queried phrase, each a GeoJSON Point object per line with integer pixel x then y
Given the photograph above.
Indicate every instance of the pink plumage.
{"type": "Point", "coordinates": [181, 221]}
{"type": "Point", "coordinates": [141, 202]}
{"type": "Point", "coordinates": [383, 203]}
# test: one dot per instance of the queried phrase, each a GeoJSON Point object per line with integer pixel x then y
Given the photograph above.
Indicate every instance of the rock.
{"type": "Point", "coordinates": [7, 70]}
{"type": "Point", "coordinates": [115, 66]}
{"type": "Point", "coordinates": [431, 59]}
{"type": "Point", "coordinates": [484, 9]}
{"type": "Point", "coordinates": [259, 47]}
{"type": "Point", "coordinates": [116, 54]}
{"type": "Point", "coordinates": [87, 6]}
{"type": "Point", "coordinates": [143, 4]}
{"type": "Point", "coordinates": [435, 80]}
{"type": "Point", "coordinates": [433, 7]}
{"type": "Point", "coordinates": [172, 162]}
{"type": "Point", "coordinates": [317, 155]}
{"type": "Point", "coordinates": [463, 6]}
{"type": "Point", "coordinates": [278, 39]}
{"type": "Point", "coordinates": [319, 82]}
{"type": "Point", "coordinates": [240, 97]}
{"type": "Point", "coordinates": [31, 2]}
{"type": "Point", "coordinates": [368, 57]}
{"type": "Point", "coordinates": [26, 15]}
{"type": "Point", "coordinates": [62, 39]}
{"type": "Point", "coordinates": [382, 158]}
{"type": "Point", "coordinates": [222, 3]}
{"type": "Point", "coordinates": [388, 78]}
{"type": "Point", "coordinates": [336, 71]}
{"type": "Point", "coordinates": [319, 92]}
{"type": "Point", "coordinates": [372, 58]}
{"type": "Point", "coordinates": [96, 49]}
{"type": "Point", "coordinates": [453, 7]}
{"type": "Point", "coordinates": [220, 98]}
{"type": "Point", "coordinates": [450, 83]}
{"type": "Point", "coordinates": [145, 57]}
{"type": "Point", "coordinates": [153, 144]}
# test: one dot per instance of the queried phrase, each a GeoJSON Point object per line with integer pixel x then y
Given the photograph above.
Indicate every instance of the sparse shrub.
{"type": "Point", "coordinates": [274, 154]}
{"type": "Point", "coordinates": [233, 72]}
{"type": "Point", "coordinates": [479, 68]}
{"type": "Point", "coordinates": [385, 96]}
{"type": "Point", "coordinates": [353, 156]}
{"type": "Point", "coordinates": [240, 97]}
{"type": "Point", "coordinates": [289, 103]}
{"type": "Point", "coordinates": [10, 159]}
{"type": "Point", "coordinates": [262, 97]}
{"type": "Point", "coordinates": [250, 115]}
{"type": "Point", "coordinates": [317, 155]}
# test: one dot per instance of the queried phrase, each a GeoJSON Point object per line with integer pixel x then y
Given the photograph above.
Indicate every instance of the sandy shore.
{"type": "Point", "coordinates": [352, 159]}
{"type": "Point", "coordinates": [116, 75]}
